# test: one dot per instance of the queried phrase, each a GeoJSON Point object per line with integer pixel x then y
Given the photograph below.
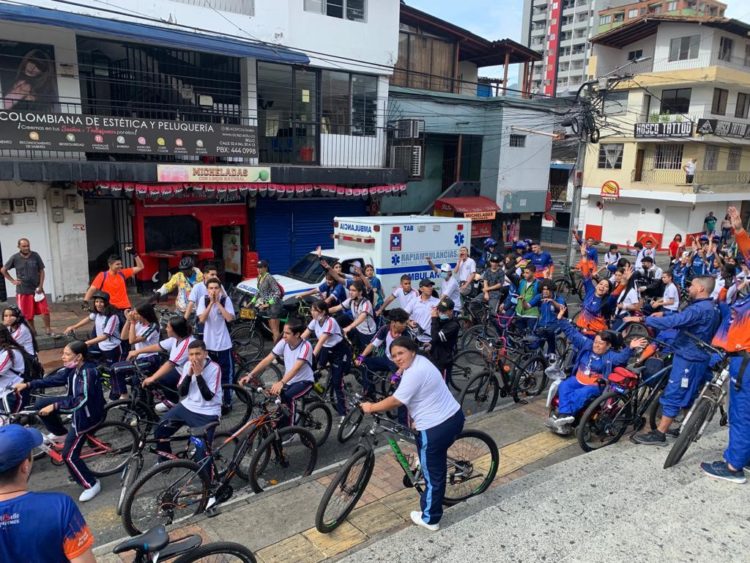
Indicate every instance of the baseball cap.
{"type": "Point", "coordinates": [263, 264]}
{"type": "Point", "coordinates": [16, 442]}
{"type": "Point", "coordinates": [445, 267]}
{"type": "Point", "coordinates": [446, 304]}
{"type": "Point", "coordinates": [425, 282]}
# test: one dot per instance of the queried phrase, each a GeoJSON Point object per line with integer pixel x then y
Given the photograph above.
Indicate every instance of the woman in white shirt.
{"type": "Point", "coordinates": [19, 329]}
{"type": "Point", "coordinates": [141, 330]}
{"type": "Point", "coordinates": [436, 416]}
{"type": "Point", "coordinates": [106, 335]}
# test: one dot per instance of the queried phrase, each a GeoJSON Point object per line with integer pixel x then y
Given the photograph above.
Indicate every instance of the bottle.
{"type": "Point", "coordinates": [318, 388]}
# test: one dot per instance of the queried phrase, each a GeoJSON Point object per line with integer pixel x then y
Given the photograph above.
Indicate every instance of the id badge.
{"type": "Point", "coordinates": [685, 383]}
{"type": "Point", "coordinates": [587, 372]}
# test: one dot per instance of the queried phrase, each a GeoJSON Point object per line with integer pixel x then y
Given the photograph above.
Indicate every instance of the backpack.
{"type": "Point", "coordinates": [104, 278]}
{"type": "Point", "coordinates": [32, 367]}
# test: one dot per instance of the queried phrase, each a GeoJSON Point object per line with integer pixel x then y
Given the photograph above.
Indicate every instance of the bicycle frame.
{"type": "Point", "coordinates": [714, 391]}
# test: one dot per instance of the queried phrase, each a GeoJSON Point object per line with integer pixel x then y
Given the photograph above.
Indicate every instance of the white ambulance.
{"type": "Point", "coordinates": [395, 246]}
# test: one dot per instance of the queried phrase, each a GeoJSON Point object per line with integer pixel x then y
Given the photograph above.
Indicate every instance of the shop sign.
{"type": "Point", "coordinates": [188, 173]}
{"type": "Point", "coordinates": [481, 230]}
{"type": "Point", "coordinates": [480, 215]}
{"type": "Point", "coordinates": [720, 127]}
{"type": "Point", "coordinates": [669, 129]}
{"type": "Point", "coordinates": [29, 130]}
{"type": "Point", "coordinates": [610, 190]}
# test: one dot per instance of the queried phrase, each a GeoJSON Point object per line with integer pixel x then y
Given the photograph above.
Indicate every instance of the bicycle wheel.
{"type": "Point", "coordinates": [123, 410]}
{"type": "Point", "coordinates": [167, 492]}
{"type": "Point", "coordinates": [247, 341]}
{"type": "Point", "coordinates": [239, 413]}
{"type": "Point", "coordinates": [343, 493]}
{"type": "Point", "coordinates": [317, 419]}
{"type": "Point", "coordinates": [248, 448]}
{"type": "Point", "coordinates": [270, 375]}
{"type": "Point", "coordinates": [469, 339]}
{"type": "Point", "coordinates": [473, 460]}
{"type": "Point", "coordinates": [689, 431]}
{"type": "Point", "coordinates": [222, 551]}
{"type": "Point", "coordinates": [466, 366]}
{"type": "Point", "coordinates": [529, 378]}
{"type": "Point", "coordinates": [654, 411]}
{"type": "Point", "coordinates": [480, 394]}
{"type": "Point", "coordinates": [286, 454]}
{"type": "Point", "coordinates": [130, 473]}
{"type": "Point", "coordinates": [604, 421]}
{"type": "Point", "coordinates": [108, 447]}
{"type": "Point", "coordinates": [349, 426]}
{"type": "Point", "coordinates": [633, 331]}
{"type": "Point", "coordinates": [563, 288]}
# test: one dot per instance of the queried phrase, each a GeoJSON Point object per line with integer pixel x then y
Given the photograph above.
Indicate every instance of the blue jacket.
{"type": "Point", "coordinates": [701, 318]}
{"type": "Point", "coordinates": [585, 345]}
{"type": "Point", "coordinates": [84, 399]}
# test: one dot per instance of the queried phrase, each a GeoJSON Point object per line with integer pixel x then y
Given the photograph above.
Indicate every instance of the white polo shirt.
{"type": "Point", "coordinates": [215, 331]}
{"type": "Point", "coordinates": [671, 293]}
{"type": "Point", "coordinates": [109, 326]}
{"type": "Point", "coordinates": [421, 312]}
{"type": "Point", "coordinates": [177, 349]}
{"type": "Point", "coordinates": [368, 326]}
{"type": "Point", "coordinates": [466, 270]}
{"type": "Point", "coordinates": [194, 400]}
{"type": "Point", "coordinates": [425, 394]}
{"type": "Point", "coordinates": [328, 326]}
{"type": "Point", "coordinates": [150, 335]}
{"type": "Point", "coordinates": [11, 368]}
{"type": "Point", "coordinates": [450, 288]}
{"type": "Point", "coordinates": [22, 335]}
{"type": "Point", "coordinates": [303, 351]}
{"type": "Point", "coordinates": [405, 299]}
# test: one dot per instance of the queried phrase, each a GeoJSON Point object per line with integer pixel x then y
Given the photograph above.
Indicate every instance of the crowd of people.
{"type": "Point", "coordinates": [703, 291]}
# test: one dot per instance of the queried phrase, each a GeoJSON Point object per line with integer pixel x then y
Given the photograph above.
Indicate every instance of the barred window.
{"type": "Point", "coordinates": [610, 155]}
{"type": "Point", "coordinates": [668, 157]}
{"type": "Point", "coordinates": [733, 160]}
{"type": "Point", "coordinates": [711, 158]}
{"type": "Point", "coordinates": [518, 141]}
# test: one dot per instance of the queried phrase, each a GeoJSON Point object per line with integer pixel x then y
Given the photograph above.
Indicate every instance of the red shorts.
{"type": "Point", "coordinates": [29, 307]}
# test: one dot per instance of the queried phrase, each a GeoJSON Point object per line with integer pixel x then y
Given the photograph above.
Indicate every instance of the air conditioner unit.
{"type": "Point", "coordinates": [409, 158]}
{"type": "Point", "coordinates": [408, 128]}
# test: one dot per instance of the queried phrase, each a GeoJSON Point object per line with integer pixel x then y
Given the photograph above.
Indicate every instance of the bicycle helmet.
{"type": "Point", "coordinates": [103, 295]}
{"type": "Point", "coordinates": [519, 245]}
{"type": "Point", "coordinates": [495, 258]}
{"type": "Point", "coordinates": [488, 242]}
{"type": "Point", "coordinates": [186, 263]}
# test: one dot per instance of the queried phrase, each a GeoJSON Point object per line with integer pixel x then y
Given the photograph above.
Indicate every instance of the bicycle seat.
{"type": "Point", "coordinates": [203, 430]}
{"type": "Point", "coordinates": [155, 539]}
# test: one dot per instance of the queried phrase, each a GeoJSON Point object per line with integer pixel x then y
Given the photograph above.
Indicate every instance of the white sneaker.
{"type": "Point", "coordinates": [88, 494]}
{"type": "Point", "coordinates": [161, 408]}
{"type": "Point", "coordinates": [416, 517]}
{"type": "Point", "coordinates": [564, 421]}
{"type": "Point", "coordinates": [51, 438]}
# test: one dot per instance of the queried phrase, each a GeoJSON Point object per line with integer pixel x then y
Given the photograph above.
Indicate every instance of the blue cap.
{"type": "Point", "coordinates": [16, 442]}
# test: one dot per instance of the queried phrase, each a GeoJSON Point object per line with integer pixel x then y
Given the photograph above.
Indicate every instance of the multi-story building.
{"type": "Point", "coordinates": [689, 100]}
{"type": "Point", "coordinates": [476, 151]}
{"type": "Point", "coordinates": [560, 30]}
{"type": "Point", "coordinates": [190, 127]}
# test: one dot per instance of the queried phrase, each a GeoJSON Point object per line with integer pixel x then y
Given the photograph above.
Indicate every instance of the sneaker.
{"type": "Point", "coordinates": [416, 517]}
{"type": "Point", "coordinates": [653, 438]}
{"type": "Point", "coordinates": [211, 503]}
{"type": "Point", "coordinates": [161, 408]}
{"type": "Point", "coordinates": [720, 470]}
{"type": "Point", "coordinates": [54, 439]}
{"type": "Point", "coordinates": [673, 432]}
{"type": "Point", "coordinates": [88, 494]}
{"type": "Point", "coordinates": [550, 422]}
{"type": "Point", "coordinates": [563, 421]}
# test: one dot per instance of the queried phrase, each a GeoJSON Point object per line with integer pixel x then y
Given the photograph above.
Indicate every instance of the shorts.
{"type": "Point", "coordinates": [275, 311]}
{"type": "Point", "coordinates": [29, 307]}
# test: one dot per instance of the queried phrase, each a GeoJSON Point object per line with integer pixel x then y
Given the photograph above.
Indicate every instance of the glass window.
{"type": "Point", "coordinates": [605, 20]}
{"type": "Point", "coordinates": [635, 55]}
{"type": "Point", "coordinates": [364, 104]}
{"type": "Point", "coordinates": [682, 48]}
{"type": "Point", "coordinates": [610, 155]}
{"type": "Point", "coordinates": [747, 55]}
{"type": "Point", "coordinates": [676, 100]}
{"type": "Point", "coordinates": [615, 103]}
{"type": "Point", "coordinates": [733, 160]}
{"type": "Point", "coordinates": [336, 96]}
{"type": "Point", "coordinates": [711, 158]}
{"type": "Point", "coordinates": [181, 232]}
{"type": "Point", "coordinates": [354, 10]}
{"type": "Point", "coordinates": [633, 13]}
{"type": "Point", "coordinates": [518, 141]}
{"type": "Point", "coordinates": [719, 103]}
{"type": "Point", "coordinates": [671, 6]}
{"type": "Point", "coordinates": [668, 157]}
{"type": "Point", "coordinates": [743, 103]}
{"type": "Point", "coordinates": [725, 49]}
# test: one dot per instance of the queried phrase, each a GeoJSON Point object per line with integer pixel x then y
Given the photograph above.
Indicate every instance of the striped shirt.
{"type": "Point", "coordinates": [303, 351]}
{"type": "Point", "coordinates": [177, 349]}
{"type": "Point", "coordinates": [328, 326]}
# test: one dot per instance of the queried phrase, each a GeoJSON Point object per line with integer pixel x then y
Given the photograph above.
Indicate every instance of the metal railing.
{"type": "Point", "coordinates": [675, 180]}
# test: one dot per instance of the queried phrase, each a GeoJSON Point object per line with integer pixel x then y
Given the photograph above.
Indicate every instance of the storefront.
{"type": "Point", "coordinates": [481, 210]}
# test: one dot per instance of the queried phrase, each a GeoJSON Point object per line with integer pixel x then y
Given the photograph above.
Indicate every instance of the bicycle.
{"type": "Point", "coordinates": [473, 460]}
{"type": "Point", "coordinates": [155, 545]}
{"type": "Point", "coordinates": [710, 399]}
{"type": "Point", "coordinates": [247, 331]}
{"type": "Point", "coordinates": [181, 488]}
{"type": "Point", "coordinates": [569, 284]}
{"type": "Point", "coordinates": [628, 402]}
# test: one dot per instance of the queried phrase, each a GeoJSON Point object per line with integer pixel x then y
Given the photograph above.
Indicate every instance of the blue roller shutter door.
{"type": "Point", "coordinates": [285, 231]}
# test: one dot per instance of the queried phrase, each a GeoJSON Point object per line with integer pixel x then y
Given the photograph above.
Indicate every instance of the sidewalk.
{"type": "Point", "coordinates": [279, 526]}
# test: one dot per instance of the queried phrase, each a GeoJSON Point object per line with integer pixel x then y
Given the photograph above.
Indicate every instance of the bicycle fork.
{"type": "Point", "coordinates": [413, 476]}
{"type": "Point", "coordinates": [717, 384]}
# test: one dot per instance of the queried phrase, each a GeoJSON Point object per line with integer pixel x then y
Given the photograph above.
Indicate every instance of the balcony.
{"type": "Point", "coordinates": [706, 181]}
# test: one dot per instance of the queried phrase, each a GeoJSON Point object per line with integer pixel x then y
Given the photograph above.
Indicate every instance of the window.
{"type": "Point", "coordinates": [349, 103]}
{"type": "Point", "coordinates": [719, 103]}
{"type": "Point", "coordinates": [615, 103]}
{"type": "Point", "coordinates": [179, 232]}
{"type": "Point", "coordinates": [682, 48]}
{"type": "Point", "coordinates": [518, 141]}
{"type": "Point", "coordinates": [603, 20]}
{"type": "Point", "coordinates": [668, 157]}
{"type": "Point", "coordinates": [747, 55]}
{"type": "Point", "coordinates": [711, 158]}
{"type": "Point", "coordinates": [733, 160]}
{"type": "Point", "coordinates": [354, 10]}
{"type": "Point", "coordinates": [425, 63]}
{"type": "Point", "coordinates": [619, 17]}
{"type": "Point", "coordinates": [633, 13]}
{"type": "Point", "coordinates": [610, 155]}
{"type": "Point", "coordinates": [743, 104]}
{"type": "Point", "coordinates": [244, 7]}
{"type": "Point", "coordinates": [675, 101]}
{"type": "Point", "coordinates": [671, 6]}
{"type": "Point", "coordinates": [725, 49]}
{"type": "Point", "coordinates": [635, 55]}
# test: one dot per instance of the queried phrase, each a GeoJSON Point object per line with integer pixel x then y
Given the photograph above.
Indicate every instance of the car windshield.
{"type": "Point", "coordinates": [308, 269]}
